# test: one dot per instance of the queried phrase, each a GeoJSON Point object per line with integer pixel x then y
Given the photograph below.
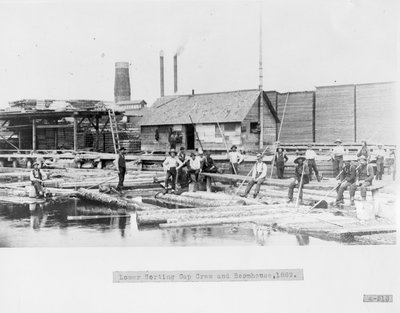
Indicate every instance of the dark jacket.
{"type": "Point", "coordinates": [349, 174]}
{"type": "Point", "coordinates": [299, 170]}
{"type": "Point", "coordinates": [365, 173]}
{"type": "Point", "coordinates": [121, 160]}
{"type": "Point", "coordinates": [208, 165]}
{"type": "Point", "coordinates": [281, 158]}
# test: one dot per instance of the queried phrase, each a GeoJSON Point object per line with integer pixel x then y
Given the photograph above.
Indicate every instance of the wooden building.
{"type": "Point", "coordinates": [247, 119]}
{"type": "Point", "coordinates": [58, 125]}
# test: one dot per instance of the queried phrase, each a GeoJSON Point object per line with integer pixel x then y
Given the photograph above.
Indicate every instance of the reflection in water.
{"type": "Point", "coordinates": [303, 240]}
{"type": "Point", "coordinates": [51, 227]}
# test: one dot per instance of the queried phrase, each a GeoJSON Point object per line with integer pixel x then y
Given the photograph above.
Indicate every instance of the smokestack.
{"type": "Point", "coordinates": [162, 73]}
{"type": "Point", "coordinates": [122, 85]}
{"type": "Point", "coordinates": [176, 73]}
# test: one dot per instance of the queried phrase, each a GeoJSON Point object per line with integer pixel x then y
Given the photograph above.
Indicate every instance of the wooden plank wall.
{"type": "Point", "coordinates": [297, 124]}
{"type": "Point", "coordinates": [334, 113]}
{"type": "Point", "coordinates": [376, 117]}
{"type": "Point", "coordinates": [270, 125]}
{"type": "Point", "coordinates": [250, 140]}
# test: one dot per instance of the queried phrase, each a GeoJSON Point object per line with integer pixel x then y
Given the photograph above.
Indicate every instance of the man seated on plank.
{"type": "Point", "coordinates": [365, 176]}
{"type": "Point", "coordinates": [347, 178]}
{"type": "Point", "coordinates": [36, 179]}
{"type": "Point", "coordinates": [258, 176]}
{"type": "Point", "coordinates": [193, 165]}
{"type": "Point", "coordinates": [301, 178]}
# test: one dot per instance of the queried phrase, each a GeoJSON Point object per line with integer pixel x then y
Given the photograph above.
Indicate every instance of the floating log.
{"type": "Point", "coordinates": [103, 198]}
{"type": "Point", "coordinates": [92, 217]}
{"type": "Point", "coordinates": [182, 200]}
{"type": "Point", "coordinates": [219, 197]}
{"type": "Point", "coordinates": [156, 218]}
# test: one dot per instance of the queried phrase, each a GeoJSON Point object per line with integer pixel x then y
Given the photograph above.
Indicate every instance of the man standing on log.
{"type": "Point", "coordinates": [380, 162]}
{"type": "Point", "coordinates": [280, 160]}
{"type": "Point", "coordinates": [301, 178]}
{"type": "Point", "coordinates": [337, 157]}
{"type": "Point", "coordinates": [312, 165]}
{"type": "Point", "coordinates": [121, 163]}
{"type": "Point", "coordinates": [365, 175]}
{"type": "Point", "coordinates": [36, 179]}
{"type": "Point", "coordinates": [347, 178]}
{"type": "Point", "coordinates": [171, 165]}
{"type": "Point", "coordinates": [235, 159]}
{"type": "Point", "coordinates": [258, 176]}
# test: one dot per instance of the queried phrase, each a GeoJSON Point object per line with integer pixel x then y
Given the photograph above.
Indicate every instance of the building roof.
{"type": "Point", "coordinates": [222, 107]}
{"type": "Point", "coordinates": [131, 102]}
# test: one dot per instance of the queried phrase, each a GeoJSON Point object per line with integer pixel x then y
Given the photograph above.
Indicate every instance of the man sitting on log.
{"type": "Point", "coordinates": [193, 165]}
{"type": "Point", "coordinates": [171, 165]}
{"type": "Point", "coordinates": [301, 178]}
{"type": "Point", "coordinates": [365, 175]}
{"type": "Point", "coordinates": [347, 178]}
{"type": "Point", "coordinates": [258, 176]}
{"type": "Point", "coordinates": [36, 179]}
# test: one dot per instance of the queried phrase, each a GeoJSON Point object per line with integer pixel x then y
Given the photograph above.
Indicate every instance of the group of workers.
{"type": "Point", "coordinates": [348, 175]}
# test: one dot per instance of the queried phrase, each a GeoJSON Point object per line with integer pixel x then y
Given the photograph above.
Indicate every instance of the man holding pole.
{"type": "Point", "coordinates": [301, 178]}
{"type": "Point", "coordinates": [365, 175]}
{"type": "Point", "coordinates": [235, 159]}
{"type": "Point", "coordinates": [258, 176]}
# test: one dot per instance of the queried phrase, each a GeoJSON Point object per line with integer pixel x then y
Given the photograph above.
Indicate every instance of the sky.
{"type": "Point", "coordinates": [67, 49]}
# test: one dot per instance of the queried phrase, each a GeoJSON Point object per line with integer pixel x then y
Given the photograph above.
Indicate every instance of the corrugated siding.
{"type": "Point", "coordinates": [376, 107]}
{"type": "Point", "coordinates": [334, 113]}
{"type": "Point", "coordinates": [297, 126]}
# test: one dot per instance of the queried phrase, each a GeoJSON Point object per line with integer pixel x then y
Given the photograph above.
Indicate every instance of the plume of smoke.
{"type": "Point", "coordinates": [180, 50]}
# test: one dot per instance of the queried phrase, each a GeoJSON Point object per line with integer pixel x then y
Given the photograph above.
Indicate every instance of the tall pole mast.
{"type": "Point", "coordinates": [260, 87]}
{"type": "Point", "coordinates": [260, 67]}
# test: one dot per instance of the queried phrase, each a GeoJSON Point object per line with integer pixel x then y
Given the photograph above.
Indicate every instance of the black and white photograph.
{"type": "Point", "coordinates": [185, 124]}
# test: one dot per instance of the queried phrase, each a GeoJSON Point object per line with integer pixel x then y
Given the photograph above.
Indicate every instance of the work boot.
{"type": "Point", "coordinates": [289, 201]}
{"type": "Point", "coordinates": [243, 195]}
{"type": "Point", "coordinates": [255, 196]}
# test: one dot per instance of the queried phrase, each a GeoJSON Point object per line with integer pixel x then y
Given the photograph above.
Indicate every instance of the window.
{"type": "Point", "coordinates": [229, 127]}
{"type": "Point", "coordinates": [254, 127]}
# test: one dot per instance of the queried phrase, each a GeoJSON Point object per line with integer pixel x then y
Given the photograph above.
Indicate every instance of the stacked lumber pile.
{"type": "Point", "coordinates": [376, 107]}
{"type": "Point", "coordinates": [334, 113]}
{"type": "Point", "coordinates": [298, 121]}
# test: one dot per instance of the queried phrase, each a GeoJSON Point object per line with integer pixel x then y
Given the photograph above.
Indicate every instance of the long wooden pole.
{"type": "Point", "coordinates": [300, 185]}
{"type": "Point", "coordinates": [226, 146]}
{"type": "Point", "coordinates": [279, 133]}
{"type": "Point", "coordinates": [34, 135]}
{"type": "Point", "coordinates": [75, 134]}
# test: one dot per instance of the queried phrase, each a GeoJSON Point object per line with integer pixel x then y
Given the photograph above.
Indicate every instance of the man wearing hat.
{"type": "Point", "coordinates": [312, 165]}
{"type": "Point", "coordinates": [36, 179]}
{"type": "Point", "coordinates": [380, 161]}
{"type": "Point", "coordinates": [347, 178]}
{"type": "Point", "coordinates": [364, 177]}
{"type": "Point", "coordinates": [258, 176]}
{"type": "Point", "coordinates": [171, 165]}
{"type": "Point", "coordinates": [337, 157]}
{"type": "Point", "coordinates": [363, 150]}
{"type": "Point", "coordinates": [235, 159]}
{"type": "Point", "coordinates": [301, 178]}
{"type": "Point", "coordinates": [280, 160]}
{"type": "Point", "coordinates": [121, 163]}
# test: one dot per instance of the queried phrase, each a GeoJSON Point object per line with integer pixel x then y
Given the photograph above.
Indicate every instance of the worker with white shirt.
{"type": "Point", "coordinates": [194, 164]}
{"type": "Point", "coordinates": [171, 165]}
{"type": "Point", "coordinates": [235, 158]}
{"type": "Point", "coordinates": [312, 164]}
{"type": "Point", "coordinates": [337, 157]}
{"type": "Point", "coordinates": [380, 154]}
{"type": "Point", "coordinates": [258, 176]}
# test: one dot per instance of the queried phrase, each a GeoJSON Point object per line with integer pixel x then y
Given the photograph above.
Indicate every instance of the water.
{"type": "Point", "coordinates": [46, 225]}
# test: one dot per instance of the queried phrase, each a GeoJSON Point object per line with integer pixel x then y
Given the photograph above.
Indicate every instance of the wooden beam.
{"type": "Point", "coordinates": [75, 133]}
{"type": "Point", "coordinates": [34, 135]}
{"type": "Point", "coordinates": [97, 133]}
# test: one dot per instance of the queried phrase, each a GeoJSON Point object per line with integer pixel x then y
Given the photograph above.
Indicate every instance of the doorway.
{"type": "Point", "coordinates": [190, 137]}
